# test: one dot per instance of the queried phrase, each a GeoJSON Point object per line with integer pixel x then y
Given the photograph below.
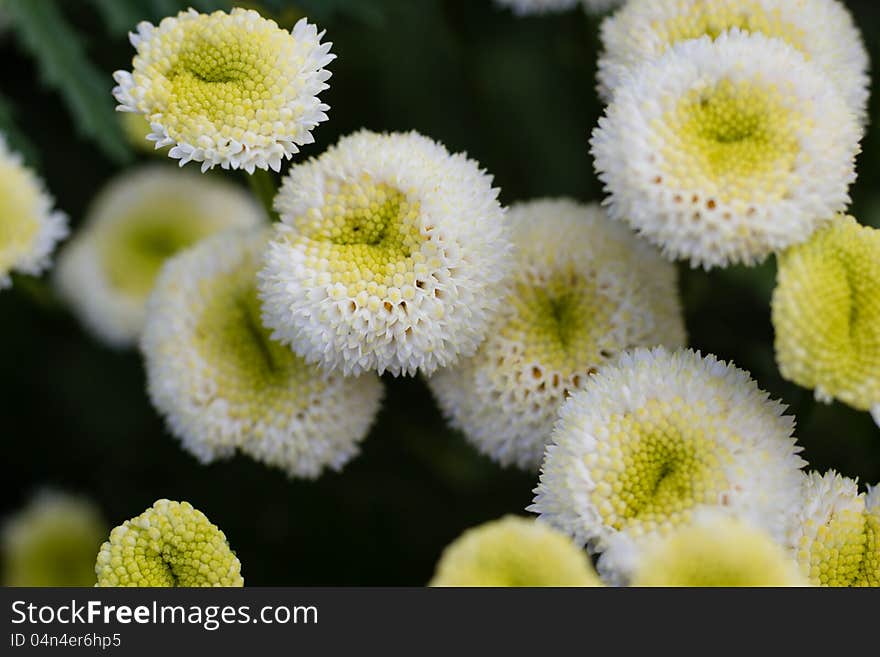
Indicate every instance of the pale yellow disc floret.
{"type": "Point", "coordinates": [514, 551]}
{"type": "Point", "coordinates": [230, 89]}
{"type": "Point", "coordinates": [657, 437]}
{"type": "Point", "coordinates": [583, 290]}
{"type": "Point", "coordinates": [224, 385]}
{"type": "Point", "coordinates": [736, 141]}
{"type": "Point", "coordinates": [169, 544]}
{"type": "Point", "coordinates": [138, 221]}
{"type": "Point", "coordinates": [823, 31]}
{"type": "Point", "coordinates": [836, 538]}
{"type": "Point", "coordinates": [52, 542]}
{"type": "Point", "coordinates": [29, 228]}
{"type": "Point", "coordinates": [826, 314]}
{"type": "Point", "coordinates": [718, 552]}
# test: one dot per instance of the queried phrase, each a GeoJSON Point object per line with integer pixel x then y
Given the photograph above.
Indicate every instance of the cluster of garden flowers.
{"type": "Point", "coordinates": [550, 333]}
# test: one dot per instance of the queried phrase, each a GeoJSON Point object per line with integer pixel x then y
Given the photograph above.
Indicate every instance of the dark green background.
{"type": "Point", "coordinates": [516, 94]}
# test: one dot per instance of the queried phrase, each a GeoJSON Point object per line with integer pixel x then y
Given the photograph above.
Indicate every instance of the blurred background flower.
{"type": "Point", "coordinates": [51, 541]}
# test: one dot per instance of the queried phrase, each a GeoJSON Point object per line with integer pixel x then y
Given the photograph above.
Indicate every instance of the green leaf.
{"type": "Point", "coordinates": [64, 66]}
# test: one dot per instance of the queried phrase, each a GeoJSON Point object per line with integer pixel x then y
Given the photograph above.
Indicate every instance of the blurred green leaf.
{"type": "Point", "coordinates": [64, 66]}
{"type": "Point", "coordinates": [369, 12]}
{"type": "Point", "coordinates": [16, 139]}
{"type": "Point", "coordinates": [122, 17]}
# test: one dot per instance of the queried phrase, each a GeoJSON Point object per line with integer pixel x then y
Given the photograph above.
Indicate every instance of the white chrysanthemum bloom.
{"type": "Point", "coordinates": [136, 223]}
{"type": "Point", "coordinates": [584, 289]}
{"type": "Point", "coordinates": [715, 551]}
{"type": "Point", "coordinates": [836, 536]}
{"type": "Point", "coordinates": [52, 542]}
{"type": "Point", "coordinates": [233, 89]}
{"type": "Point", "coordinates": [390, 256]}
{"type": "Point", "coordinates": [657, 437]}
{"type": "Point", "coordinates": [823, 30]}
{"type": "Point", "coordinates": [528, 7]}
{"type": "Point", "coordinates": [29, 227]}
{"type": "Point", "coordinates": [724, 151]}
{"type": "Point", "coordinates": [224, 385]}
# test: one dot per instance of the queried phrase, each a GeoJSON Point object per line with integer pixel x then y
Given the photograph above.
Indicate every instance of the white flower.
{"type": "Point", "coordinates": [52, 541]}
{"type": "Point", "coordinates": [527, 7]}
{"type": "Point", "coordinates": [584, 289]}
{"type": "Point", "coordinates": [724, 151]}
{"type": "Point", "coordinates": [660, 436]}
{"type": "Point", "coordinates": [230, 89]}
{"type": "Point", "coordinates": [823, 30]}
{"type": "Point", "coordinates": [29, 227]}
{"type": "Point", "coordinates": [223, 385]}
{"type": "Point", "coordinates": [836, 536]}
{"type": "Point", "coordinates": [390, 256]}
{"type": "Point", "coordinates": [138, 221]}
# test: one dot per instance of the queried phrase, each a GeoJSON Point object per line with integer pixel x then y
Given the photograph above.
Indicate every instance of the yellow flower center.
{"type": "Point", "coordinates": [714, 17]}
{"type": "Point", "coordinates": [843, 551]}
{"type": "Point", "coordinates": [135, 249]}
{"type": "Point", "coordinates": [367, 237]}
{"type": "Point", "coordinates": [514, 551]}
{"type": "Point", "coordinates": [255, 375]}
{"type": "Point", "coordinates": [738, 141]}
{"type": "Point", "coordinates": [657, 464]}
{"type": "Point", "coordinates": [558, 324]}
{"type": "Point", "coordinates": [826, 312]}
{"type": "Point", "coordinates": [214, 76]}
{"type": "Point", "coordinates": [723, 554]}
{"type": "Point", "coordinates": [167, 545]}
{"type": "Point", "coordinates": [19, 215]}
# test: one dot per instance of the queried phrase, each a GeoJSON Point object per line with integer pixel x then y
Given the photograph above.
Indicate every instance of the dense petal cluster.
{"type": "Point", "coordinates": [390, 256]}
{"type": "Point", "coordinates": [223, 384]}
{"type": "Point", "coordinates": [826, 314]}
{"type": "Point", "coordinates": [138, 221]}
{"type": "Point", "coordinates": [514, 551]}
{"type": "Point", "coordinates": [716, 552]}
{"type": "Point", "coordinates": [29, 227]}
{"type": "Point", "coordinates": [657, 437]}
{"type": "Point", "coordinates": [584, 289]}
{"type": "Point", "coordinates": [52, 542]}
{"type": "Point", "coordinates": [528, 7]}
{"type": "Point", "coordinates": [724, 151]}
{"type": "Point", "coordinates": [233, 89]}
{"type": "Point", "coordinates": [823, 30]}
{"type": "Point", "coordinates": [836, 538]}
{"type": "Point", "coordinates": [169, 544]}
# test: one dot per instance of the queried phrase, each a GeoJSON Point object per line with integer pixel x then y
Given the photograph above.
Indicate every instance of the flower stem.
{"type": "Point", "coordinates": [262, 184]}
